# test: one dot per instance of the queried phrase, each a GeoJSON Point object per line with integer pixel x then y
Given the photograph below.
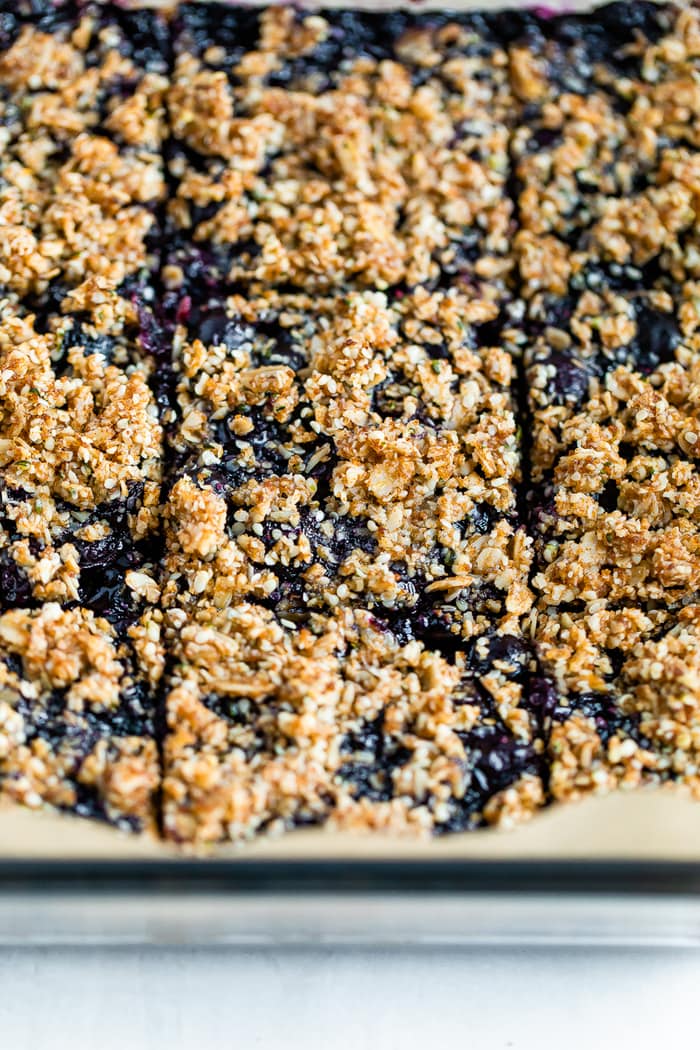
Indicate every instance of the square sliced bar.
{"type": "Point", "coordinates": [615, 514]}
{"type": "Point", "coordinates": [339, 722]}
{"type": "Point", "coordinates": [77, 715]}
{"type": "Point", "coordinates": [82, 125]}
{"type": "Point", "coordinates": [357, 450]}
{"type": "Point", "coordinates": [343, 149]}
{"type": "Point", "coordinates": [81, 459]}
{"type": "Point", "coordinates": [605, 151]}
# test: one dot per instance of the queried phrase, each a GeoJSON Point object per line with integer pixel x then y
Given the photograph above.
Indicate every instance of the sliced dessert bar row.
{"type": "Point", "coordinates": [605, 160]}
{"type": "Point", "coordinates": [340, 721]}
{"type": "Point", "coordinates": [344, 576]}
{"type": "Point", "coordinates": [81, 462]}
{"type": "Point", "coordinates": [358, 450]}
{"type": "Point", "coordinates": [345, 579]}
{"type": "Point", "coordinates": [616, 521]}
{"type": "Point", "coordinates": [82, 124]}
{"type": "Point", "coordinates": [77, 714]}
{"type": "Point", "coordinates": [605, 149]}
{"type": "Point", "coordinates": [343, 587]}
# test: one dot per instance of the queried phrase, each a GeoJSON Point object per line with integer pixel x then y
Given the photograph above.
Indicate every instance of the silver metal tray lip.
{"type": "Point", "coordinates": [361, 918]}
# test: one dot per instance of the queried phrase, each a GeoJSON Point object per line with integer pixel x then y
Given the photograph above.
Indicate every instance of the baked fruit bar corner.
{"type": "Point", "coordinates": [348, 413]}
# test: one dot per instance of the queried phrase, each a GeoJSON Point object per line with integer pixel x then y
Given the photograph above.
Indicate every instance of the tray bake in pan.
{"type": "Point", "coordinates": [384, 336]}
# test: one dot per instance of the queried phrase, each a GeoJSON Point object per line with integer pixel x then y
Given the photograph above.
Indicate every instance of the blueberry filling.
{"type": "Point", "coordinates": [15, 588]}
{"type": "Point", "coordinates": [657, 338]}
{"type": "Point", "coordinates": [605, 714]}
{"type": "Point", "coordinates": [573, 48]}
{"type": "Point", "coordinates": [569, 383]}
{"type": "Point", "coordinates": [375, 757]}
{"type": "Point", "coordinates": [495, 759]}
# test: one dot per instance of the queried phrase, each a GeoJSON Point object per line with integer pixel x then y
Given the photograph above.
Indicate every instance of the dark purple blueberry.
{"type": "Point", "coordinates": [146, 38]}
{"type": "Point", "coordinates": [267, 439]}
{"type": "Point", "coordinates": [557, 311]}
{"type": "Point", "coordinates": [75, 335]}
{"type": "Point", "coordinates": [13, 663]}
{"type": "Point", "coordinates": [544, 138]}
{"type": "Point", "coordinates": [542, 698]}
{"type": "Point", "coordinates": [350, 534]}
{"type": "Point", "coordinates": [495, 759]}
{"type": "Point", "coordinates": [202, 270]}
{"type": "Point", "coordinates": [402, 627]}
{"type": "Point", "coordinates": [239, 712]}
{"type": "Point", "coordinates": [512, 653]}
{"type": "Point", "coordinates": [658, 336]}
{"type": "Point", "coordinates": [388, 396]}
{"type": "Point", "coordinates": [601, 277]}
{"type": "Point", "coordinates": [234, 29]}
{"type": "Point", "coordinates": [49, 16]}
{"type": "Point", "coordinates": [623, 21]}
{"type": "Point", "coordinates": [134, 715]}
{"type": "Point", "coordinates": [103, 591]}
{"type": "Point", "coordinates": [375, 755]}
{"type": "Point", "coordinates": [9, 28]}
{"type": "Point", "coordinates": [462, 255]}
{"type": "Point", "coordinates": [153, 335]}
{"type": "Point", "coordinates": [608, 497]}
{"type": "Point", "coordinates": [438, 628]}
{"type": "Point", "coordinates": [603, 710]}
{"type": "Point", "coordinates": [570, 382]}
{"type": "Point", "coordinates": [15, 588]}
{"type": "Point", "coordinates": [482, 519]}
{"type": "Point", "coordinates": [217, 328]}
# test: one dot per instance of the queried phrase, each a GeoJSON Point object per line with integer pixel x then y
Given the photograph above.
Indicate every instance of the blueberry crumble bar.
{"type": "Point", "coordinates": [348, 413]}
{"type": "Point", "coordinates": [82, 128]}
{"type": "Point", "coordinates": [77, 715]}
{"type": "Point", "coordinates": [351, 149]}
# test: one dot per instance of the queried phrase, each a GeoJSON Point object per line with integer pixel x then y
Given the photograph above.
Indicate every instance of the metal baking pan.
{"type": "Point", "coordinates": [619, 870]}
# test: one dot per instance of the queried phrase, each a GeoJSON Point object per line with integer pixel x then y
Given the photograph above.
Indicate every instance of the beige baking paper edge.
{"type": "Point", "coordinates": [646, 825]}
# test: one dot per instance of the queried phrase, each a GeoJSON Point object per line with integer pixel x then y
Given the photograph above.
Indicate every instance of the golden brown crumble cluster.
{"type": "Point", "coordinates": [80, 459]}
{"type": "Point", "coordinates": [349, 466]}
{"type": "Point", "coordinates": [279, 294]}
{"type": "Point", "coordinates": [82, 128]}
{"type": "Point", "coordinates": [607, 162]}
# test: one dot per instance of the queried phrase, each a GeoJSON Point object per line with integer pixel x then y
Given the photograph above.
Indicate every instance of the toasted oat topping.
{"type": "Point", "coordinates": [360, 450]}
{"type": "Point", "coordinates": [80, 458]}
{"type": "Point", "coordinates": [606, 159]}
{"type": "Point", "coordinates": [357, 595]}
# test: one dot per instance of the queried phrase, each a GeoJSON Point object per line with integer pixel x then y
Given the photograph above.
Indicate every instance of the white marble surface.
{"type": "Point", "coordinates": [333, 1000]}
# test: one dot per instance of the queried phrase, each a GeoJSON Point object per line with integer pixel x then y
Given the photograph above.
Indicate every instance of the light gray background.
{"type": "Point", "coordinates": [333, 1000]}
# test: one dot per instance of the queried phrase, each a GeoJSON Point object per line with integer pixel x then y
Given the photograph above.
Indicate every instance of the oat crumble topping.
{"type": "Point", "coordinates": [349, 413]}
